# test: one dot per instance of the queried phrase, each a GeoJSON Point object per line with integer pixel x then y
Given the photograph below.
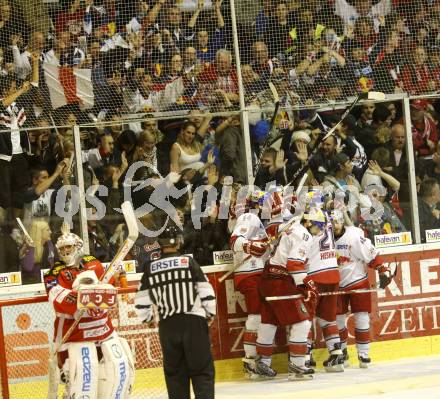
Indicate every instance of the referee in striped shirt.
{"type": "Point", "coordinates": [186, 303]}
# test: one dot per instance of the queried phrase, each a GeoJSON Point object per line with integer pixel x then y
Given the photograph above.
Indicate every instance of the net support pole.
{"type": "Point", "coordinates": [411, 172]}
{"type": "Point", "coordinates": [81, 190]}
{"type": "Point", "coordinates": [244, 116]}
{"type": "Point", "coordinates": [4, 393]}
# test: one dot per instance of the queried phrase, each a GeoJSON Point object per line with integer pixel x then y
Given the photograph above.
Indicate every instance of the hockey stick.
{"type": "Point", "coordinates": [358, 291]}
{"type": "Point", "coordinates": [372, 95]}
{"type": "Point", "coordinates": [24, 231]}
{"type": "Point", "coordinates": [271, 126]}
{"type": "Point", "coordinates": [271, 240]}
{"type": "Point", "coordinates": [298, 296]}
{"type": "Point", "coordinates": [133, 232]}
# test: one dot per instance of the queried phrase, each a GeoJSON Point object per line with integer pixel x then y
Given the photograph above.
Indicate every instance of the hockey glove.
{"type": "Point", "coordinates": [384, 276]}
{"type": "Point", "coordinates": [309, 290]}
{"type": "Point", "coordinates": [256, 248]}
{"type": "Point", "coordinates": [276, 205]}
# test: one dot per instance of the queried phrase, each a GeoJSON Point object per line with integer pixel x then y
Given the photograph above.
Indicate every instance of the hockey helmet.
{"type": "Point", "coordinates": [316, 216]}
{"type": "Point", "coordinates": [257, 198]}
{"type": "Point", "coordinates": [170, 236]}
{"type": "Point", "coordinates": [69, 247]}
{"type": "Point", "coordinates": [337, 216]}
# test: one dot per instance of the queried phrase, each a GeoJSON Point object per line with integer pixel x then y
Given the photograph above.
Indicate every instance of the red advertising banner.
{"type": "Point", "coordinates": [408, 307]}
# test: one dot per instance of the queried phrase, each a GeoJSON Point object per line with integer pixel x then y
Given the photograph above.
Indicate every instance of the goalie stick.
{"type": "Point", "coordinates": [115, 264]}
{"type": "Point", "coordinates": [372, 95]}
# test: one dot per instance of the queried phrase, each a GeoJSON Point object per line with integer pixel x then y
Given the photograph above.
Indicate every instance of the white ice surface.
{"type": "Point", "coordinates": [415, 378]}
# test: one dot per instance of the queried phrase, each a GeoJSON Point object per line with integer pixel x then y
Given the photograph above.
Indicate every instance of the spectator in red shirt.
{"type": "Point", "coordinates": [71, 18]}
{"type": "Point", "coordinates": [424, 130]}
{"type": "Point", "coordinates": [417, 78]}
{"type": "Point", "coordinates": [219, 80]}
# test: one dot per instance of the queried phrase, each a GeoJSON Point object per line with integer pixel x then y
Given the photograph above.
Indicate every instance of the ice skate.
{"type": "Point", "coordinates": [335, 363]}
{"type": "Point", "coordinates": [249, 366]}
{"type": "Point", "coordinates": [364, 361]}
{"type": "Point", "coordinates": [297, 373]}
{"type": "Point", "coordinates": [310, 361]}
{"type": "Point", "coordinates": [346, 357]}
{"type": "Point", "coordinates": [263, 371]}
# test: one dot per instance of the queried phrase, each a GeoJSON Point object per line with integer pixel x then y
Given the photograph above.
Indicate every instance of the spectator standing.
{"type": "Point", "coordinates": [429, 199]}
{"type": "Point", "coordinates": [424, 130]}
{"type": "Point", "coordinates": [232, 155]}
{"type": "Point", "coordinates": [42, 255]}
{"type": "Point", "coordinates": [14, 143]}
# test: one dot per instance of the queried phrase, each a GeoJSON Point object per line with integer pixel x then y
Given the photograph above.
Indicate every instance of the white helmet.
{"type": "Point", "coordinates": [337, 216]}
{"type": "Point", "coordinates": [69, 240]}
{"type": "Point", "coordinates": [316, 216]}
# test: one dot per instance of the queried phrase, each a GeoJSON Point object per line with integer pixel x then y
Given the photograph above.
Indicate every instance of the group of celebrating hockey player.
{"type": "Point", "coordinates": [290, 272]}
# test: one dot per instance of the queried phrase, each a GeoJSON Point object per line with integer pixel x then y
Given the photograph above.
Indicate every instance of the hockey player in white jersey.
{"type": "Point", "coordinates": [249, 243]}
{"type": "Point", "coordinates": [323, 271]}
{"type": "Point", "coordinates": [355, 255]}
{"type": "Point", "coordinates": [285, 274]}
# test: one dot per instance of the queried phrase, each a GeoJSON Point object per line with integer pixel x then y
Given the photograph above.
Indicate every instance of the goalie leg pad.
{"type": "Point", "coordinates": [116, 370]}
{"type": "Point", "coordinates": [83, 370]}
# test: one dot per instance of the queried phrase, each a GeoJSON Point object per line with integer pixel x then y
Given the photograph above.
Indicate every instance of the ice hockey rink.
{"type": "Point", "coordinates": [403, 379]}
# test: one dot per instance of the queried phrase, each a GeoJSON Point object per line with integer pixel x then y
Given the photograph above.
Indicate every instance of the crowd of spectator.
{"type": "Point", "coordinates": [157, 56]}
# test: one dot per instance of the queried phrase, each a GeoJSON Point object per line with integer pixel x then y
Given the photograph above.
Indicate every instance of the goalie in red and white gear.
{"type": "Point", "coordinates": [249, 242]}
{"type": "Point", "coordinates": [94, 362]}
{"type": "Point", "coordinates": [356, 254]}
{"type": "Point", "coordinates": [285, 273]}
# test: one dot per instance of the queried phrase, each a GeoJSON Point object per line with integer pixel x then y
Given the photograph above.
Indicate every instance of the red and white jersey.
{"type": "Point", "coordinates": [292, 252]}
{"type": "Point", "coordinates": [96, 324]}
{"type": "Point", "coordinates": [248, 227]}
{"type": "Point", "coordinates": [323, 265]}
{"type": "Point", "coordinates": [355, 254]}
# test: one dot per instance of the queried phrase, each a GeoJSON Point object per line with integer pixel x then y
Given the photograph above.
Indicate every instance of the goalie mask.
{"type": "Point", "coordinates": [69, 247]}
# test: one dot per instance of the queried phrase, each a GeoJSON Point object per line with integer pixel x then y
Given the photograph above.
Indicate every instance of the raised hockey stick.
{"type": "Point", "coordinates": [24, 231]}
{"type": "Point", "coordinates": [372, 95]}
{"type": "Point", "coordinates": [115, 264]}
{"type": "Point", "coordinates": [269, 136]}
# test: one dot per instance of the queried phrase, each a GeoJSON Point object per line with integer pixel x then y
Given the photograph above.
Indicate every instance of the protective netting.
{"type": "Point", "coordinates": [27, 335]}
{"type": "Point", "coordinates": [103, 58]}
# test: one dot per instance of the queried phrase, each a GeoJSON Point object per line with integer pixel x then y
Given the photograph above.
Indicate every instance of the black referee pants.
{"type": "Point", "coordinates": [187, 356]}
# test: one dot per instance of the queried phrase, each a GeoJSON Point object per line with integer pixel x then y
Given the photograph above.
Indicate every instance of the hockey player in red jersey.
{"type": "Point", "coordinates": [92, 351]}
{"type": "Point", "coordinates": [249, 243]}
{"type": "Point", "coordinates": [355, 255]}
{"type": "Point", "coordinates": [285, 274]}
